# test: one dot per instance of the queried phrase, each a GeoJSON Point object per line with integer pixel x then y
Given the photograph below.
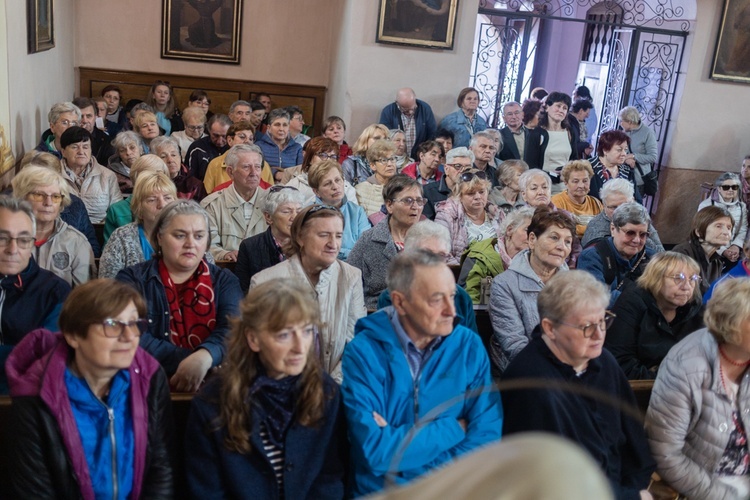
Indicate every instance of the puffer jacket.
{"type": "Point", "coordinates": [482, 260]}
{"type": "Point", "coordinates": [47, 457]}
{"type": "Point", "coordinates": [98, 190]}
{"type": "Point", "coordinates": [513, 310]}
{"type": "Point", "coordinates": [67, 254]}
{"type": "Point", "coordinates": [370, 195]}
{"type": "Point", "coordinates": [450, 213]}
{"type": "Point", "coordinates": [689, 418]}
{"type": "Point", "coordinates": [279, 158]}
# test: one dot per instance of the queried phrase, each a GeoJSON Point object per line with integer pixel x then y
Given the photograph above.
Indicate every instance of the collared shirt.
{"type": "Point", "coordinates": [415, 357]}
{"type": "Point", "coordinates": [520, 138]}
{"type": "Point", "coordinates": [410, 130]}
{"type": "Point", "coordinates": [247, 206]}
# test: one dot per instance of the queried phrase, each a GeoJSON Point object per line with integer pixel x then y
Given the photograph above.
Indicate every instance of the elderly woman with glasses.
{"type": "Point", "coordinates": [91, 410]}
{"type": "Point", "coordinates": [380, 156]}
{"type": "Point", "coordinates": [565, 367]}
{"type": "Point", "coordinates": [195, 128]}
{"type": "Point", "coordinates": [274, 245]}
{"type": "Point", "coordinates": [711, 229]}
{"type": "Point", "coordinates": [697, 420]}
{"type": "Point", "coordinates": [376, 248]}
{"type": "Point", "coordinates": [59, 248]}
{"type": "Point", "coordinates": [187, 186]}
{"type": "Point", "coordinates": [726, 194]}
{"type": "Point", "coordinates": [337, 286]}
{"type": "Point", "coordinates": [317, 150]}
{"type": "Point", "coordinates": [467, 214]}
{"type": "Point", "coordinates": [189, 300]}
{"type": "Point", "coordinates": [129, 148]}
{"type": "Point", "coordinates": [661, 308]}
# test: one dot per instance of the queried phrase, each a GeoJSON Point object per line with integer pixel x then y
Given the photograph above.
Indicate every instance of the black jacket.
{"type": "Point", "coordinates": [536, 145]}
{"type": "Point", "coordinates": [510, 148]}
{"type": "Point", "coordinates": [434, 192]}
{"type": "Point", "coordinates": [641, 337]}
{"type": "Point", "coordinates": [711, 268]}
{"type": "Point", "coordinates": [256, 253]}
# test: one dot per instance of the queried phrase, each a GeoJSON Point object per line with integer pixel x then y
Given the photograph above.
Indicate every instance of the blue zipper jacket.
{"type": "Point", "coordinates": [290, 156]}
{"type": "Point", "coordinates": [355, 223]}
{"type": "Point", "coordinates": [377, 378]}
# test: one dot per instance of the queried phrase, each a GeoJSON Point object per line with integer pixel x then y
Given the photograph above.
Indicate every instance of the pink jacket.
{"type": "Point", "coordinates": [450, 213]}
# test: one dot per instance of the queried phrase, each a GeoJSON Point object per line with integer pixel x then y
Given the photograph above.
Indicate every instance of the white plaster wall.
{"type": "Point", "coordinates": [365, 75]}
{"type": "Point", "coordinates": [37, 81]}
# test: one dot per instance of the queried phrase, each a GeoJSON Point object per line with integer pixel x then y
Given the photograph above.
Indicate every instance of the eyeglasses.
{"type": "Point", "coordinates": [279, 187]}
{"type": "Point", "coordinates": [457, 166]}
{"type": "Point", "coordinates": [68, 123]}
{"type": "Point", "coordinates": [392, 159]}
{"type": "Point", "coordinates": [467, 176]}
{"type": "Point", "coordinates": [326, 156]}
{"type": "Point", "coordinates": [195, 128]}
{"type": "Point", "coordinates": [630, 233]}
{"type": "Point", "coordinates": [733, 187]}
{"type": "Point", "coordinates": [36, 196]}
{"type": "Point", "coordinates": [411, 201]}
{"type": "Point", "coordinates": [679, 279]}
{"type": "Point", "coordinates": [590, 328]}
{"type": "Point", "coordinates": [23, 242]}
{"type": "Point", "coordinates": [114, 328]}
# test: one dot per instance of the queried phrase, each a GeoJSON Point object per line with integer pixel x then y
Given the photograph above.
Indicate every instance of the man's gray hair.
{"type": "Point", "coordinates": [238, 103]}
{"type": "Point", "coordinates": [233, 155]}
{"type": "Point", "coordinates": [278, 113]}
{"type": "Point", "coordinates": [483, 135]}
{"type": "Point", "coordinates": [525, 178]}
{"type": "Point", "coordinates": [60, 108]}
{"type": "Point", "coordinates": [277, 198]}
{"type": "Point", "coordinates": [510, 103]}
{"type": "Point", "coordinates": [15, 206]}
{"type": "Point", "coordinates": [164, 140]}
{"type": "Point", "coordinates": [426, 230]}
{"type": "Point", "coordinates": [617, 186]}
{"type": "Point", "coordinates": [461, 152]}
{"type": "Point", "coordinates": [403, 268]}
{"type": "Point", "coordinates": [630, 213]}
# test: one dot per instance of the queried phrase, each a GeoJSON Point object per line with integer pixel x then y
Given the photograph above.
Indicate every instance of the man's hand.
{"type": "Point", "coordinates": [191, 371]}
{"type": "Point", "coordinates": [732, 253]}
{"type": "Point", "coordinates": [232, 256]}
{"type": "Point", "coordinates": [379, 420]}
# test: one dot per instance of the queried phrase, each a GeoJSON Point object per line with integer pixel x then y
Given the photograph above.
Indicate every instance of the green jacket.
{"type": "Point", "coordinates": [482, 260]}
{"type": "Point", "coordinates": [118, 214]}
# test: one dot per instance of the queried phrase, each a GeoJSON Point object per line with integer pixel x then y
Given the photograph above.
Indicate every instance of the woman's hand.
{"type": "Point", "coordinates": [191, 372]}
{"type": "Point", "coordinates": [732, 253]}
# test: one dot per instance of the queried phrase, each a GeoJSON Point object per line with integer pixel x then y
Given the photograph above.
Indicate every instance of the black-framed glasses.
{"type": "Point", "coordinates": [326, 156]}
{"type": "Point", "coordinates": [733, 187]}
{"type": "Point", "coordinates": [114, 328]}
{"type": "Point", "coordinates": [681, 278]}
{"type": "Point", "coordinates": [23, 242]}
{"type": "Point", "coordinates": [590, 328]}
{"type": "Point", "coordinates": [631, 233]}
{"type": "Point", "coordinates": [280, 187]}
{"type": "Point", "coordinates": [467, 176]}
{"type": "Point", "coordinates": [409, 201]}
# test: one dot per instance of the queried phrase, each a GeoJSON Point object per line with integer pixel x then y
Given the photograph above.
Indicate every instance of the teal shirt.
{"type": "Point", "coordinates": [118, 215]}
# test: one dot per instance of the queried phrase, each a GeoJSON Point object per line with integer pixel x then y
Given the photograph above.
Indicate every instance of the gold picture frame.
{"type": "Point", "coordinates": [732, 54]}
{"type": "Point", "coordinates": [40, 25]}
{"type": "Point", "coordinates": [202, 30]}
{"type": "Point", "coordinates": [418, 23]}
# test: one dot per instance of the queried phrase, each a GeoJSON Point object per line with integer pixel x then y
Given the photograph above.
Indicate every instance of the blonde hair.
{"type": "Point", "coordinates": [40, 159]}
{"type": "Point", "coordinates": [35, 176]}
{"type": "Point", "coordinates": [473, 184]}
{"type": "Point", "coordinates": [360, 147]}
{"type": "Point", "coordinates": [727, 309]}
{"type": "Point", "coordinates": [269, 307]}
{"type": "Point", "coordinates": [576, 166]}
{"type": "Point", "coordinates": [144, 117]}
{"type": "Point", "coordinates": [318, 171]}
{"type": "Point", "coordinates": [145, 186]}
{"type": "Point", "coordinates": [149, 162]}
{"type": "Point", "coordinates": [194, 112]}
{"type": "Point", "coordinates": [666, 264]}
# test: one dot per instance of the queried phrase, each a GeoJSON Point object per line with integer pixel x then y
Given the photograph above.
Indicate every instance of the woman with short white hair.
{"type": "Point", "coordinates": [643, 146]}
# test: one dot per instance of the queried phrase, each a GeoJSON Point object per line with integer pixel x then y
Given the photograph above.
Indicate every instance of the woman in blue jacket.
{"type": "Point", "coordinates": [465, 122]}
{"type": "Point", "coordinates": [270, 425]}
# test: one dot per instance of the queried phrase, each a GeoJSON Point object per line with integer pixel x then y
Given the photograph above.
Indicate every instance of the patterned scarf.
{"type": "Point", "coordinates": [191, 306]}
{"type": "Point", "coordinates": [274, 401]}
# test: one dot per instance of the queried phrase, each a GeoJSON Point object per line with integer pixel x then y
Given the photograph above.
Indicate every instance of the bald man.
{"type": "Point", "coordinates": [412, 116]}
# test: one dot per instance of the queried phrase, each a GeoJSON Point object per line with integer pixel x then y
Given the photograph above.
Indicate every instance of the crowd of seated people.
{"type": "Point", "coordinates": [322, 302]}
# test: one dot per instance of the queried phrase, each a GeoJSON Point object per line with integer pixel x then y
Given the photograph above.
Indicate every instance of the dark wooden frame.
{"type": "Point", "coordinates": [173, 46]}
{"type": "Point", "coordinates": [732, 48]}
{"type": "Point", "coordinates": [390, 33]}
{"type": "Point", "coordinates": [223, 92]}
{"type": "Point", "coordinates": [37, 39]}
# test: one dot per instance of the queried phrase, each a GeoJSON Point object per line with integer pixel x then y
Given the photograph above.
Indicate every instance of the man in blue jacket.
{"type": "Point", "coordinates": [417, 389]}
{"type": "Point", "coordinates": [412, 116]}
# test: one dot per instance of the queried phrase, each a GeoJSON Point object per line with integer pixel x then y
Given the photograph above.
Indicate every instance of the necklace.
{"type": "Point", "coordinates": [730, 360]}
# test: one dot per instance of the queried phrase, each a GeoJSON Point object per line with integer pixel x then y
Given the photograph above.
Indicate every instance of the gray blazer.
{"type": "Point", "coordinates": [372, 254]}
{"type": "Point", "coordinates": [689, 417]}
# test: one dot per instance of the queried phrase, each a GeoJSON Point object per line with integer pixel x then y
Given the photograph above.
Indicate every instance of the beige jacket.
{"type": "Point", "coordinates": [370, 196]}
{"type": "Point", "coordinates": [228, 224]}
{"type": "Point", "coordinates": [340, 297]}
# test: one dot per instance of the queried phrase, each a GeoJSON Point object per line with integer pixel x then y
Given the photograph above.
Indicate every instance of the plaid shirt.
{"type": "Point", "coordinates": [410, 130]}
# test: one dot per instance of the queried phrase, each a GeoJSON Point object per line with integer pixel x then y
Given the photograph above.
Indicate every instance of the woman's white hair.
{"type": "Point", "coordinates": [617, 186]}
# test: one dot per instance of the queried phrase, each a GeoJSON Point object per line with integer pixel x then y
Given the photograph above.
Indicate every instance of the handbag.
{"type": "Point", "coordinates": [650, 180]}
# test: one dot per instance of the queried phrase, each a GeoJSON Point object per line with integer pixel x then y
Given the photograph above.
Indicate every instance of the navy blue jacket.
{"type": "Point", "coordinates": [199, 155]}
{"type": "Point", "coordinates": [77, 216]}
{"type": "Point", "coordinates": [145, 278]}
{"type": "Point", "coordinates": [313, 456]}
{"type": "Point", "coordinates": [423, 119]}
{"type": "Point", "coordinates": [256, 253]}
{"type": "Point", "coordinates": [43, 145]}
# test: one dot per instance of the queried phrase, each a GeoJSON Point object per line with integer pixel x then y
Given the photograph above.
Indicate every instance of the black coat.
{"type": "Point", "coordinates": [510, 148]}
{"type": "Point", "coordinates": [434, 193]}
{"type": "Point", "coordinates": [711, 268]}
{"type": "Point", "coordinates": [536, 145]}
{"type": "Point", "coordinates": [256, 253]}
{"type": "Point", "coordinates": [616, 441]}
{"type": "Point", "coordinates": [641, 337]}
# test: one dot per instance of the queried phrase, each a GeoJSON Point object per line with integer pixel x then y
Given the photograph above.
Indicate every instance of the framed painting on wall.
{"type": "Point", "coordinates": [419, 23]}
{"type": "Point", "coordinates": [41, 28]}
{"type": "Point", "coordinates": [202, 30]}
{"type": "Point", "coordinates": [732, 55]}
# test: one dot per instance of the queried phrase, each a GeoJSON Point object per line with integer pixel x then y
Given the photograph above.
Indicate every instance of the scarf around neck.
{"type": "Point", "coordinates": [274, 400]}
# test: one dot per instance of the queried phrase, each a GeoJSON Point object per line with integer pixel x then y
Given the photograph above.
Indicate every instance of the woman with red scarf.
{"type": "Point", "coordinates": [189, 300]}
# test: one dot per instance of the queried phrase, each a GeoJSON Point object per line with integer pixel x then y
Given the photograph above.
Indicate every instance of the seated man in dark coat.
{"type": "Point", "coordinates": [30, 297]}
{"type": "Point", "coordinates": [579, 383]}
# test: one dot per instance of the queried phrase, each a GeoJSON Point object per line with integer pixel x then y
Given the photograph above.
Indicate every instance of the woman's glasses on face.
{"type": "Point", "coordinates": [590, 328]}
{"type": "Point", "coordinates": [410, 201]}
{"type": "Point", "coordinates": [681, 278]}
{"type": "Point", "coordinates": [40, 197]}
{"type": "Point", "coordinates": [326, 156]}
{"type": "Point", "coordinates": [733, 187]}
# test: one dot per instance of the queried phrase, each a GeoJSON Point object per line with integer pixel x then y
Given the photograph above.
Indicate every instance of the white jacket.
{"type": "Point", "coordinates": [98, 190]}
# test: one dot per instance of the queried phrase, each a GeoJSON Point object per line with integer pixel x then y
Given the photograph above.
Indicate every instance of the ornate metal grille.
{"type": "Point", "coordinates": [616, 81]}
